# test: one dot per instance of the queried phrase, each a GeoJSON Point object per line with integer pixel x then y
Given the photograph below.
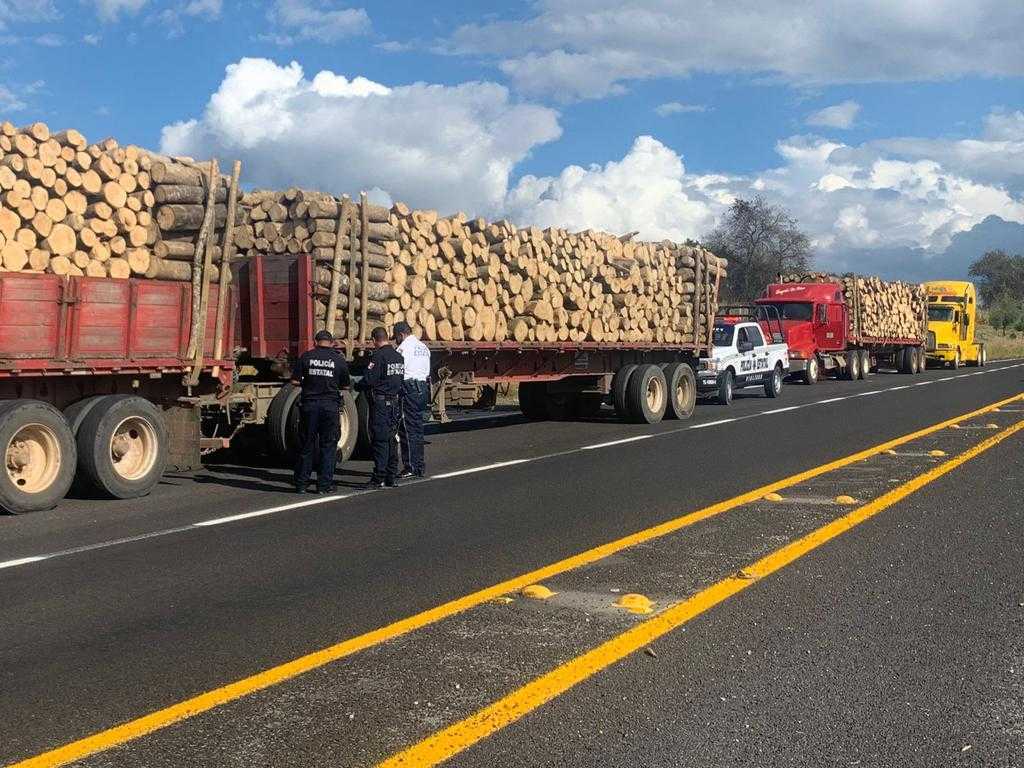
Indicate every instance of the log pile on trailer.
{"type": "Point", "coordinates": [879, 309]}
{"type": "Point", "coordinates": [69, 207]}
{"type": "Point", "coordinates": [456, 279]}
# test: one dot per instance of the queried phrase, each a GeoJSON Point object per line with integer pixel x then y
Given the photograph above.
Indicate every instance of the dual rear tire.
{"type": "Point", "coordinates": [647, 393]}
{"type": "Point", "coordinates": [283, 423]}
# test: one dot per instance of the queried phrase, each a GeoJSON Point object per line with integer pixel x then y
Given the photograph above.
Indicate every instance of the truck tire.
{"type": "Point", "coordinates": [912, 360]}
{"type": "Point", "coordinates": [811, 372]}
{"type": "Point", "coordinates": [853, 365]}
{"type": "Point", "coordinates": [725, 387]}
{"type": "Point", "coordinates": [40, 456]}
{"type": "Point", "coordinates": [682, 390]}
{"type": "Point", "coordinates": [773, 382]}
{"type": "Point", "coordinates": [619, 384]}
{"type": "Point", "coordinates": [349, 423]}
{"type": "Point", "coordinates": [865, 363]}
{"type": "Point", "coordinates": [531, 400]}
{"type": "Point", "coordinates": [903, 359]}
{"type": "Point", "coordinates": [75, 413]}
{"type": "Point", "coordinates": [982, 356]}
{"type": "Point", "coordinates": [283, 421]}
{"type": "Point", "coordinates": [647, 394]}
{"type": "Point", "coordinates": [922, 359]}
{"type": "Point", "coordinates": [363, 448]}
{"type": "Point", "coordinates": [122, 446]}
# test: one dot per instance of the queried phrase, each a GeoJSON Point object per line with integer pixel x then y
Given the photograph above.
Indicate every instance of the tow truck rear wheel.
{"type": "Point", "coordinates": [619, 384]}
{"type": "Point", "coordinates": [853, 365]}
{"type": "Point", "coordinates": [39, 456]}
{"type": "Point", "coordinates": [810, 373]}
{"type": "Point", "coordinates": [725, 387]}
{"type": "Point", "coordinates": [682, 390]}
{"type": "Point", "coordinates": [773, 382]}
{"type": "Point", "coordinates": [647, 394]}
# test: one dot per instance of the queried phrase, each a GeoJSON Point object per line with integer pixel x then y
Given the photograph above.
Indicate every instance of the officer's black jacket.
{"type": "Point", "coordinates": [323, 373]}
{"type": "Point", "coordinates": [385, 373]}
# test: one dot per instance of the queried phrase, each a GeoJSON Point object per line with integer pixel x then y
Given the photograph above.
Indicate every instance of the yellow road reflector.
{"type": "Point", "coordinates": [955, 426]}
{"type": "Point", "coordinates": [504, 600]}
{"type": "Point", "coordinates": [991, 426]}
{"type": "Point", "coordinates": [635, 603]}
{"type": "Point", "coordinates": [936, 453]}
{"type": "Point", "coordinates": [772, 497]}
{"type": "Point", "coordinates": [891, 452]}
{"type": "Point", "coordinates": [844, 499]}
{"type": "Point", "coordinates": [536, 592]}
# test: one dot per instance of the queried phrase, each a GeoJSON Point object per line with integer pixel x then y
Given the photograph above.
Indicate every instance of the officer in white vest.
{"type": "Point", "coordinates": [414, 402]}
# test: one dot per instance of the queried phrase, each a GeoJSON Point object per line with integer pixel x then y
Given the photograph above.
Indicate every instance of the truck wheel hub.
{"type": "Point", "coordinates": [654, 395]}
{"type": "Point", "coordinates": [133, 448]}
{"type": "Point", "coordinates": [33, 458]}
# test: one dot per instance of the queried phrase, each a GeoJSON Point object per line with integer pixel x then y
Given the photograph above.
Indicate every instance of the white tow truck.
{"type": "Point", "coordinates": [748, 349]}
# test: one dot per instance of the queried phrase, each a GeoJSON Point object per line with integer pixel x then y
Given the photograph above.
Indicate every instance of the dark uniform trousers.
{"type": "Point", "coordinates": [319, 431]}
{"type": "Point", "coordinates": [385, 417]}
{"type": "Point", "coordinates": [414, 401]}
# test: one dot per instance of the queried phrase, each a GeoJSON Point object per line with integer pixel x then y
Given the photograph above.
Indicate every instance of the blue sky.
{"type": "Point", "coordinates": [882, 129]}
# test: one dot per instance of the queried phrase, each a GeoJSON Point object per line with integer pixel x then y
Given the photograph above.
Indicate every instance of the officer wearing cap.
{"type": "Point", "coordinates": [414, 400]}
{"type": "Point", "coordinates": [384, 379]}
{"type": "Point", "coordinates": [322, 373]}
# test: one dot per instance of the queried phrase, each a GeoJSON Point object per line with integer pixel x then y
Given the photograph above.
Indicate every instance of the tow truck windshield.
{"type": "Point", "coordinates": [940, 314]}
{"type": "Point", "coordinates": [722, 336]}
{"type": "Point", "coordinates": [793, 310]}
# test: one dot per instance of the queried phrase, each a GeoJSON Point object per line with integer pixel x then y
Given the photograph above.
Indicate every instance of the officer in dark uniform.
{"type": "Point", "coordinates": [322, 373]}
{"type": "Point", "coordinates": [384, 381]}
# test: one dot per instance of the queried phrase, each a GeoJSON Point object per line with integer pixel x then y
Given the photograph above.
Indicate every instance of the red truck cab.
{"type": "Point", "coordinates": [814, 319]}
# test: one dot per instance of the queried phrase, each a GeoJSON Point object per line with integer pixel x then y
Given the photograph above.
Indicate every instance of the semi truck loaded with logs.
{"type": "Point", "coordinates": [849, 325]}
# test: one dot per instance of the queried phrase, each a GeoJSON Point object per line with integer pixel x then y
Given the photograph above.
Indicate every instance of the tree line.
{"type": "Point", "coordinates": [999, 278]}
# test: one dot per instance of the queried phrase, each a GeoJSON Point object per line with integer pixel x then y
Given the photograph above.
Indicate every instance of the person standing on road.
{"type": "Point", "coordinates": [322, 373]}
{"type": "Point", "coordinates": [415, 396]}
{"type": "Point", "coordinates": [384, 382]}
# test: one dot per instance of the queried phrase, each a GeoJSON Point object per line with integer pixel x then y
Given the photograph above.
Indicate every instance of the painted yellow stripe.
{"type": "Point", "coordinates": [204, 702]}
{"type": "Point", "coordinates": [447, 743]}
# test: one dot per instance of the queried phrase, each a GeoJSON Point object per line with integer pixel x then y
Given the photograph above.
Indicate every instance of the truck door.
{"type": "Point", "coordinates": [830, 326]}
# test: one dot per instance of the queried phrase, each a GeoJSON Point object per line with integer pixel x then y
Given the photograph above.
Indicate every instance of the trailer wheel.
{"type": "Point", "coordinates": [39, 456]}
{"type": "Point", "coordinates": [283, 420]}
{"type": "Point", "coordinates": [725, 387]}
{"type": "Point", "coordinates": [619, 384]}
{"type": "Point", "coordinates": [532, 400]}
{"type": "Point", "coordinates": [912, 360]}
{"type": "Point", "coordinates": [982, 356]}
{"type": "Point", "coordinates": [903, 360]}
{"type": "Point", "coordinates": [75, 413]}
{"type": "Point", "coordinates": [773, 384]}
{"type": "Point", "coordinates": [853, 365]}
{"type": "Point", "coordinates": [922, 359]}
{"type": "Point", "coordinates": [122, 446]}
{"type": "Point", "coordinates": [647, 394]}
{"type": "Point", "coordinates": [682, 391]}
{"type": "Point", "coordinates": [865, 363]}
{"type": "Point", "coordinates": [810, 373]}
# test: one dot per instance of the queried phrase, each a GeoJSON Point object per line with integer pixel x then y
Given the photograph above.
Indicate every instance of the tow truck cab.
{"type": "Point", "coordinates": [813, 317]}
{"type": "Point", "coordinates": [952, 319]}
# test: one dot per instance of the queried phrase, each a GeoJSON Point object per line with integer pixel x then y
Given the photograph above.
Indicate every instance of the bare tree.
{"type": "Point", "coordinates": [760, 240]}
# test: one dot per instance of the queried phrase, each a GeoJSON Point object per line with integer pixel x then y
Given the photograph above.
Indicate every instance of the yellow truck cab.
{"type": "Point", "coordinates": [952, 320]}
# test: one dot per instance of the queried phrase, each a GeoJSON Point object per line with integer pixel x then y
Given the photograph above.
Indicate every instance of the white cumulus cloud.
{"type": "Point", "coordinates": [840, 115]}
{"type": "Point", "coordinates": [445, 147]}
{"type": "Point", "coordinates": [574, 49]}
{"type": "Point", "coordinates": [317, 20]}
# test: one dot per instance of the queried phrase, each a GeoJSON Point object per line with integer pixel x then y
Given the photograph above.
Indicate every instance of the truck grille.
{"type": "Point", "coordinates": [931, 341]}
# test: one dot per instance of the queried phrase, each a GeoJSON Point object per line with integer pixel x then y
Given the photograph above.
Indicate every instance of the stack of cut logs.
{"type": "Point", "coordinates": [73, 208]}
{"type": "Point", "coordinates": [883, 310]}
{"type": "Point", "coordinates": [456, 279]}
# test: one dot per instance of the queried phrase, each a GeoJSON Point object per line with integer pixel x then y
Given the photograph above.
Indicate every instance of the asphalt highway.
{"type": "Point", "coordinates": [897, 643]}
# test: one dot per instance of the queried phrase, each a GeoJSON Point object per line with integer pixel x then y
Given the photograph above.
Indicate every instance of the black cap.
{"type": "Point", "coordinates": [324, 335]}
{"type": "Point", "coordinates": [402, 327]}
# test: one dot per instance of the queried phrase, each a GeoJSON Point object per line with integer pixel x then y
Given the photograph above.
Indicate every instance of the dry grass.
{"type": "Point", "coordinates": [999, 345]}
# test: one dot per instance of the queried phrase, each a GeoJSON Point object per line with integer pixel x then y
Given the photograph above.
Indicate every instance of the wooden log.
{"type": "Point", "coordinates": [187, 217]}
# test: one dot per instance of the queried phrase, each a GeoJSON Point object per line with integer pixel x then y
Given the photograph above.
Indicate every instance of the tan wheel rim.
{"type": "Point", "coordinates": [682, 393]}
{"type": "Point", "coordinates": [33, 458]}
{"type": "Point", "coordinates": [133, 448]}
{"type": "Point", "coordinates": [343, 432]}
{"type": "Point", "coordinates": [655, 394]}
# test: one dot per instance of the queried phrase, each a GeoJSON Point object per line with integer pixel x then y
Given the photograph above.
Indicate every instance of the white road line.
{"type": "Point", "coordinates": [22, 561]}
{"type": "Point", "coordinates": [713, 423]}
{"type": "Point", "coordinates": [484, 468]}
{"type": "Point", "coordinates": [904, 386]}
{"type": "Point", "coordinates": [271, 510]}
{"type": "Point", "coordinates": [616, 442]}
{"type": "Point", "coordinates": [831, 400]}
{"type": "Point", "coordinates": [870, 392]}
{"type": "Point", "coordinates": [781, 410]}
{"type": "Point", "coordinates": [923, 383]}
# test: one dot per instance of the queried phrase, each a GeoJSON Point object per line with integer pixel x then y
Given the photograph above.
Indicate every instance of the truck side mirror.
{"type": "Point", "coordinates": [745, 346]}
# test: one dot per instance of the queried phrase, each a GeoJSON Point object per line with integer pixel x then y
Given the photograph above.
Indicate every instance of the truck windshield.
{"type": "Point", "coordinates": [940, 314]}
{"type": "Point", "coordinates": [794, 310]}
{"type": "Point", "coordinates": [722, 336]}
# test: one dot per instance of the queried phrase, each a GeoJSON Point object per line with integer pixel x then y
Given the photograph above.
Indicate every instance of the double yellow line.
{"type": "Point", "coordinates": [447, 743]}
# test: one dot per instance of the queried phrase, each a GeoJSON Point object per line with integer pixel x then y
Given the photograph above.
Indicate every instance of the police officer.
{"type": "Point", "coordinates": [414, 400]}
{"type": "Point", "coordinates": [322, 373]}
{"type": "Point", "coordinates": [384, 382]}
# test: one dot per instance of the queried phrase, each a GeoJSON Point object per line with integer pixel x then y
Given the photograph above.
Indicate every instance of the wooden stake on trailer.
{"type": "Point", "coordinates": [197, 263]}
{"type": "Point", "coordinates": [204, 300]}
{"type": "Point", "coordinates": [364, 241]}
{"type": "Point", "coordinates": [227, 252]}
{"type": "Point", "coordinates": [350, 332]}
{"type": "Point", "coordinates": [698, 278]}
{"type": "Point", "coordinates": [339, 247]}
